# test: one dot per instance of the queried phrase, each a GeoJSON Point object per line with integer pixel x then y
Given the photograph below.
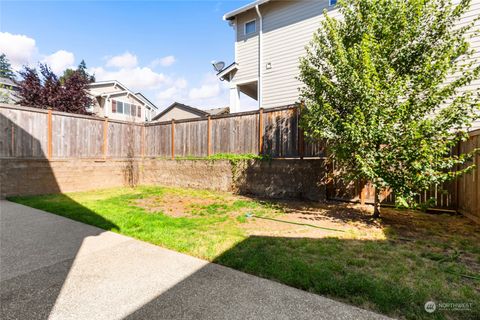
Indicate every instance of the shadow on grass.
{"type": "Point", "coordinates": [331, 267]}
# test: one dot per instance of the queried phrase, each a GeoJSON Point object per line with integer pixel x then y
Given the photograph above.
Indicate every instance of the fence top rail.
{"type": "Point", "coordinates": [222, 116]}
{"type": "Point", "coordinates": [65, 114]}
{"type": "Point", "coordinates": [475, 132]}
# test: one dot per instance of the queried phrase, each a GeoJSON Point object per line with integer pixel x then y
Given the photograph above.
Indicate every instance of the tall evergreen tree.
{"type": "Point", "coordinates": [5, 68]}
{"type": "Point", "coordinates": [82, 69]}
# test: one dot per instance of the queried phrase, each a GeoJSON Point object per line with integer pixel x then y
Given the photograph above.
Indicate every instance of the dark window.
{"type": "Point", "coordinates": [120, 106]}
{"type": "Point", "coordinates": [250, 27]}
{"type": "Point", "coordinates": [139, 111]}
{"type": "Point", "coordinates": [114, 106]}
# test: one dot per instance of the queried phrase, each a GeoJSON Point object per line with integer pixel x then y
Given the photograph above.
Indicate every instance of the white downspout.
{"type": "Point", "coordinates": [260, 59]}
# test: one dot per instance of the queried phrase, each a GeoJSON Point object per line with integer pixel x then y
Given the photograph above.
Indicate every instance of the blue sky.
{"type": "Point", "coordinates": [161, 48]}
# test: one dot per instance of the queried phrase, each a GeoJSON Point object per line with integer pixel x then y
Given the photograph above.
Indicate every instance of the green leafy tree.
{"type": "Point", "coordinates": [82, 69]}
{"type": "Point", "coordinates": [5, 68]}
{"type": "Point", "coordinates": [385, 86]}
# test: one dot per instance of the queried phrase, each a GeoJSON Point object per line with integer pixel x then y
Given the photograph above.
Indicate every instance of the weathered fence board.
{"type": "Point", "coordinates": [158, 140]}
{"type": "Point", "coordinates": [469, 184]}
{"type": "Point", "coordinates": [280, 137]}
{"type": "Point", "coordinates": [191, 138]}
{"type": "Point", "coordinates": [124, 140]}
{"type": "Point", "coordinates": [235, 134]}
{"type": "Point", "coordinates": [76, 137]}
{"type": "Point", "coordinates": [23, 133]}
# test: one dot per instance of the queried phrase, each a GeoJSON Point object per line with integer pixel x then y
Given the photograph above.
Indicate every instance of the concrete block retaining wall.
{"type": "Point", "coordinates": [275, 179]}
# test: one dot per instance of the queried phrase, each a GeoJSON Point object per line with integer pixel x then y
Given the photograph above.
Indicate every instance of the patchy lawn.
{"type": "Point", "coordinates": [392, 266]}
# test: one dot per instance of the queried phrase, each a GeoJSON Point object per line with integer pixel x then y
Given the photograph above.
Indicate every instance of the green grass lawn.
{"type": "Point", "coordinates": [403, 262]}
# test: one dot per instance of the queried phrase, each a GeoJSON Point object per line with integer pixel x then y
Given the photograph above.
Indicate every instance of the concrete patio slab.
{"type": "Point", "coordinates": [55, 268]}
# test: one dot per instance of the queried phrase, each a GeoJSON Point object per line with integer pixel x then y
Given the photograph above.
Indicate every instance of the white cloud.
{"type": "Point", "coordinates": [138, 78]}
{"type": "Point", "coordinates": [126, 60]}
{"type": "Point", "coordinates": [164, 62]}
{"type": "Point", "coordinates": [19, 49]}
{"type": "Point", "coordinates": [210, 93]}
{"type": "Point", "coordinates": [181, 83]}
{"type": "Point", "coordinates": [59, 61]}
{"type": "Point", "coordinates": [167, 94]}
{"type": "Point", "coordinates": [209, 88]}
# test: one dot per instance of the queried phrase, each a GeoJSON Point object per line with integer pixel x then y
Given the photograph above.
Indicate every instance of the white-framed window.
{"type": "Point", "coordinates": [126, 108]}
{"type": "Point", "coordinates": [332, 2]}
{"type": "Point", "coordinates": [250, 27]}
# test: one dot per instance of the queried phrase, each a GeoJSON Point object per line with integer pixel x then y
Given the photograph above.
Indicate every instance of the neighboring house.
{"type": "Point", "coordinates": [179, 111]}
{"type": "Point", "coordinates": [116, 101]}
{"type": "Point", "coordinates": [270, 37]}
{"type": "Point", "coordinates": [8, 91]}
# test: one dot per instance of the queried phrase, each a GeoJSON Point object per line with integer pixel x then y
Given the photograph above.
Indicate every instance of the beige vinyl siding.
{"type": "Point", "coordinates": [104, 88]}
{"type": "Point", "coordinates": [246, 52]}
{"type": "Point", "coordinates": [177, 114]}
{"type": "Point", "coordinates": [288, 27]}
{"type": "Point", "coordinates": [474, 44]}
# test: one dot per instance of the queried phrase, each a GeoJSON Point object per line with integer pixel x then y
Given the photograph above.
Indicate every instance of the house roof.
{"type": "Point", "coordinates": [183, 107]}
{"type": "Point", "coordinates": [232, 14]}
{"type": "Point", "coordinates": [146, 99]}
{"type": "Point", "coordinates": [227, 70]}
{"type": "Point", "coordinates": [198, 112]}
{"type": "Point", "coordinates": [102, 83]}
{"type": "Point", "coordinates": [217, 111]}
{"type": "Point", "coordinates": [8, 82]}
{"type": "Point", "coordinates": [125, 91]}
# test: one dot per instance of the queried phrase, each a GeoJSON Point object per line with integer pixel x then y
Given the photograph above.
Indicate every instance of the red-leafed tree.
{"type": "Point", "coordinates": [47, 91]}
{"type": "Point", "coordinates": [30, 91]}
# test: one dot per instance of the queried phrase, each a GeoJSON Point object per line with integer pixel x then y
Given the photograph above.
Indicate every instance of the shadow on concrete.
{"type": "Point", "coordinates": [326, 266]}
{"type": "Point", "coordinates": [30, 282]}
{"type": "Point", "coordinates": [217, 292]}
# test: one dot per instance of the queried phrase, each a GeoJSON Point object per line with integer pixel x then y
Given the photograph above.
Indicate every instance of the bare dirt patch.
{"type": "Point", "coordinates": [304, 219]}
{"type": "Point", "coordinates": [173, 205]}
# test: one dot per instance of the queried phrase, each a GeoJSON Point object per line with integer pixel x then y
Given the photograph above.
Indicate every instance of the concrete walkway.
{"type": "Point", "coordinates": [56, 268]}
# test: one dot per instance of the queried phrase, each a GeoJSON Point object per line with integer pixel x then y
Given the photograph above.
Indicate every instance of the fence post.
{"type": "Point", "coordinates": [142, 146]}
{"type": "Point", "coordinates": [209, 136]}
{"type": "Point", "coordinates": [260, 131]}
{"type": "Point", "coordinates": [301, 137]}
{"type": "Point", "coordinates": [363, 192]}
{"type": "Point", "coordinates": [105, 138]}
{"type": "Point", "coordinates": [49, 134]}
{"type": "Point", "coordinates": [173, 139]}
{"type": "Point", "coordinates": [13, 140]}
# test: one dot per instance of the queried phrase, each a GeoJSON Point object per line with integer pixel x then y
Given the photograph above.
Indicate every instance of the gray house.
{"type": "Point", "coordinates": [270, 37]}
{"type": "Point", "coordinates": [8, 91]}
{"type": "Point", "coordinates": [179, 111]}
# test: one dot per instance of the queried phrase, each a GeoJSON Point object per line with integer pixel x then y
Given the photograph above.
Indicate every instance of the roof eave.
{"type": "Point", "coordinates": [227, 70]}
{"type": "Point", "coordinates": [232, 14]}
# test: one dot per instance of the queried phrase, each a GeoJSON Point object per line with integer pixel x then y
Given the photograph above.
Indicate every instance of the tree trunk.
{"type": "Point", "coordinates": [376, 204]}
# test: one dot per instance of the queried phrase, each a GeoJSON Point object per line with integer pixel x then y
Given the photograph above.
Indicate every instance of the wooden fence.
{"type": "Point", "coordinates": [39, 133]}
{"type": "Point", "coordinates": [462, 194]}
{"type": "Point", "coordinates": [36, 133]}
